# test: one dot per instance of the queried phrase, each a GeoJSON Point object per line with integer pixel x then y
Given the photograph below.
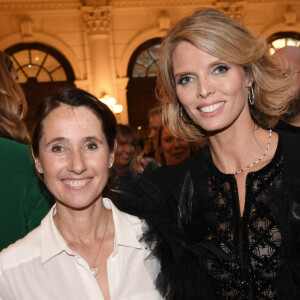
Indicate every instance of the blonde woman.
{"type": "Point", "coordinates": [227, 223]}
{"type": "Point", "coordinates": [170, 149]}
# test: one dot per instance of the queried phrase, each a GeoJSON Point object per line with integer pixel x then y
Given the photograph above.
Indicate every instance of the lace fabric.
{"type": "Point", "coordinates": [252, 240]}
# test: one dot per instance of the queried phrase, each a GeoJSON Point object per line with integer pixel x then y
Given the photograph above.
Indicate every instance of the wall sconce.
{"type": "Point", "coordinates": [111, 103]}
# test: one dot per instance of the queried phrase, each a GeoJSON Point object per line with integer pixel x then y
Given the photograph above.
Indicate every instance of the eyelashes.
{"type": "Point", "coordinates": [57, 148]}
{"type": "Point", "coordinates": [185, 80]}
{"type": "Point", "coordinates": [60, 148]}
{"type": "Point", "coordinates": [91, 146]}
{"type": "Point", "coordinates": [217, 70]}
{"type": "Point", "coordinates": [221, 69]}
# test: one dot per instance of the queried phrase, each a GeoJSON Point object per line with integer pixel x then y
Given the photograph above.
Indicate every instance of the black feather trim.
{"type": "Point", "coordinates": [176, 239]}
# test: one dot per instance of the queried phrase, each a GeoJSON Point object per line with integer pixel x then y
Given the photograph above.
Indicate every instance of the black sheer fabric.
{"type": "Point", "coordinates": [252, 240]}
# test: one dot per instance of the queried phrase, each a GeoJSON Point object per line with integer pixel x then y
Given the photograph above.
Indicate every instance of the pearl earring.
{"type": "Point", "coordinates": [110, 165]}
{"type": "Point", "coordinates": [40, 171]}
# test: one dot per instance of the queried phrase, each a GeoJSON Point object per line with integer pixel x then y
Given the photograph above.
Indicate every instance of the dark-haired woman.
{"type": "Point", "coordinates": [85, 247]}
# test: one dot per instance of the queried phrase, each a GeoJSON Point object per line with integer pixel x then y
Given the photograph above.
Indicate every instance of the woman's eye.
{"type": "Point", "coordinates": [221, 69]}
{"type": "Point", "coordinates": [185, 79]}
{"type": "Point", "coordinates": [169, 140]}
{"type": "Point", "coordinates": [91, 146]}
{"type": "Point", "coordinates": [57, 148]}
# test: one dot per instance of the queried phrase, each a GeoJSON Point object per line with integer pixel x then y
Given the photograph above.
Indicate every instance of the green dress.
{"type": "Point", "coordinates": [24, 200]}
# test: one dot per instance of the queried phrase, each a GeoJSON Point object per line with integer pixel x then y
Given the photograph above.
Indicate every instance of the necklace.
{"type": "Point", "coordinates": [256, 162]}
{"type": "Point", "coordinates": [93, 268]}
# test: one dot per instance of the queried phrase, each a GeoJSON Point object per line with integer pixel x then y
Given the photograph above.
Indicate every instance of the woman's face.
{"type": "Point", "coordinates": [74, 156]}
{"type": "Point", "coordinates": [213, 92]}
{"type": "Point", "coordinates": [125, 152]}
{"type": "Point", "coordinates": [174, 150]}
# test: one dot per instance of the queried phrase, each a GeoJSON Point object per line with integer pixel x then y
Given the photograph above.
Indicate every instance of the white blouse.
{"type": "Point", "coordinates": [41, 266]}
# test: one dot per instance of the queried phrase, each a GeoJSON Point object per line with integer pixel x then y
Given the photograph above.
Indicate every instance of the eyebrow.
{"type": "Point", "coordinates": [92, 138]}
{"type": "Point", "coordinates": [57, 139]}
{"type": "Point", "coordinates": [210, 65]}
{"type": "Point", "coordinates": [85, 139]}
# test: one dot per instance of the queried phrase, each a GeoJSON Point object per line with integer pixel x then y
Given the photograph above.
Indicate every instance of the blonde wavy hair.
{"type": "Point", "coordinates": [13, 105]}
{"type": "Point", "coordinates": [219, 35]}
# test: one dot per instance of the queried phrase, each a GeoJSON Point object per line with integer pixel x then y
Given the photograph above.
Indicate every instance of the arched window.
{"type": "Point", "coordinates": [142, 70]}
{"type": "Point", "coordinates": [41, 70]}
{"type": "Point", "coordinates": [40, 63]}
{"type": "Point", "coordinates": [282, 39]}
{"type": "Point", "coordinates": [146, 63]}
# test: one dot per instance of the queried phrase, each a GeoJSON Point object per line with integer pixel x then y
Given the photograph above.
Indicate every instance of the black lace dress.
{"type": "Point", "coordinates": [206, 248]}
{"type": "Point", "coordinates": [252, 240]}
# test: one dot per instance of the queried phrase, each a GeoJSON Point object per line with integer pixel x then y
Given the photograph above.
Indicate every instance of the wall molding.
{"type": "Point", "coordinates": [158, 3]}
{"type": "Point", "coordinates": [51, 41]}
{"type": "Point", "coordinates": [37, 6]}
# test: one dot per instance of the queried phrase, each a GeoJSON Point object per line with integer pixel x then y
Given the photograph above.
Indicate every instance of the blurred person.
{"type": "Point", "coordinates": [85, 248]}
{"type": "Point", "coordinates": [171, 150]}
{"type": "Point", "coordinates": [140, 149]}
{"type": "Point", "coordinates": [13, 105]}
{"type": "Point", "coordinates": [24, 200]}
{"type": "Point", "coordinates": [288, 59]}
{"type": "Point", "coordinates": [125, 157]}
{"type": "Point", "coordinates": [155, 121]}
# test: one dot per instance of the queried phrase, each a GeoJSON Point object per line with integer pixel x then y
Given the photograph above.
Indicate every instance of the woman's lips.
{"type": "Point", "coordinates": [77, 183]}
{"type": "Point", "coordinates": [212, 107]}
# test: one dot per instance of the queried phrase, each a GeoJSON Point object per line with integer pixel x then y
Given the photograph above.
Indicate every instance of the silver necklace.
{"type": "Point", "coordinates": [94, 269]}
{"type": "Point", "coordinates": [256, 162]}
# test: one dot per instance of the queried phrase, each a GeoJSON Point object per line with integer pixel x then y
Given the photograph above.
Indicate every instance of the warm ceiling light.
{"type": "Point", "coordinates": [111, 103]}
{"type": "Point", "coordinates": [117, 108]}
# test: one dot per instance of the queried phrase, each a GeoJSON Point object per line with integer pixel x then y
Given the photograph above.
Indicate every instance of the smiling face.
{"type": "Point", "coordinates": [125, 152]}
{"type": "Point", "coordinates": [173, 149]}
{"type": "Point", "coordinates": [213, 92]}
{"type": "Point", "coordinates": [74, 156]}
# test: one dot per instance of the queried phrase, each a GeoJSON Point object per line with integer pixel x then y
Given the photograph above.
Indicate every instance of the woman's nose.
{"type": "Point", "coordinates": [77, 162]}
{"type": "Point", "coordinates": [176, 142]}
{"type": "Point", "coordinates": [205, 88]}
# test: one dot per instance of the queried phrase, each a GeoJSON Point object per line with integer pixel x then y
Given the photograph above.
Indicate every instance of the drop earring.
{"type": "Point", "coordinates": [251, 94]}
{"type": "Point", "coordinates": [182, 115]}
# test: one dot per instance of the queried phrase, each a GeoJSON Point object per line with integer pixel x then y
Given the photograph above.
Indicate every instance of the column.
{"type": "Point", "coordinates": [97, 24]}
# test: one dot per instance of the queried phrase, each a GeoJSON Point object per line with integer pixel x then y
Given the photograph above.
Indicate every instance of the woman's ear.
{"type": "Point", "coordinates": [113, 152]}
{"type": "Point", "coordinates": [37, 164]}
{"type": "Point", "coordinates": [249, 79]}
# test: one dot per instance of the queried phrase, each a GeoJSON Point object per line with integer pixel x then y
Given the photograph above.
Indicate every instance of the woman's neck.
{"type": "Point", "coordinates": [236, 148]}
{"type": "Point", "coordinates": [80, 226]}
